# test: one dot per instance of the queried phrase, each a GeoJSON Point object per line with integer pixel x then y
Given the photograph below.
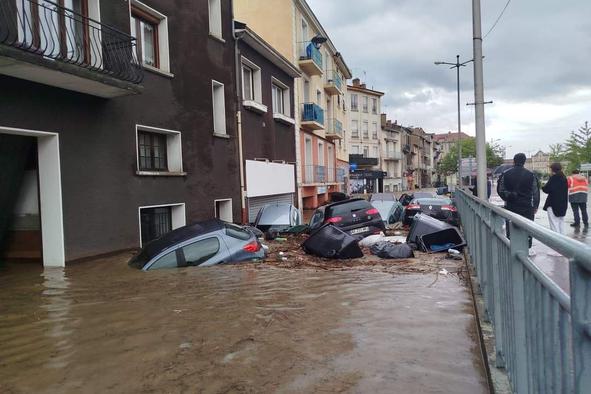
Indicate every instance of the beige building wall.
{"type": "Point", "coordinates": [270, 19]}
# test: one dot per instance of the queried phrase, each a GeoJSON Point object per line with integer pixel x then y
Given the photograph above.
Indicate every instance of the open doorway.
{"type": "Point", "coordinates": [31, 217]}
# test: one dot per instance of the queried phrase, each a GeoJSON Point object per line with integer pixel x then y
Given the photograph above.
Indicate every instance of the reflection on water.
{"type": "Point", "coordinates": [102, 327]}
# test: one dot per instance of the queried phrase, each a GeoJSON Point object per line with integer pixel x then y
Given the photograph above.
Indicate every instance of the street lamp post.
{"type": "Point", "coordinates": [457, 66]}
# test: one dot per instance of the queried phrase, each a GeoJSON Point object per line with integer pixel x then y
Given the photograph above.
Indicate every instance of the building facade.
{"type": "Point", "coordinates": [448, 142]}
{"type": "Point", "coordinates": [539, 163]}
{"type": "Point", "coordinates": [365, 125]}
{"type": "Point", "coordinates": [121, 131]}
{"type": "Point", "coordinates": [391, 155]}
{"type": "Point", "coordinates": [293, 30]}
{"type": "Point", "coordinates": [266, 123]}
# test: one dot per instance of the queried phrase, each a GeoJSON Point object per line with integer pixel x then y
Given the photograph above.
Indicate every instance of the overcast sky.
{"type": "Point", "coordinates": [537, 66]}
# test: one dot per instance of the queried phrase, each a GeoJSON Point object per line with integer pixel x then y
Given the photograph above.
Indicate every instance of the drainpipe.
{"type": "Point", "coordinates": [237, 37]}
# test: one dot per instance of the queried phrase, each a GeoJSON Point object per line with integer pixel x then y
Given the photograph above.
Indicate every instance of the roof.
{"type": "Point", "coordinates": [248, 36]}
{"type": "Point", "coordinates": [365, 90]}
{"type": "Point", "coordinates": [449, 136]}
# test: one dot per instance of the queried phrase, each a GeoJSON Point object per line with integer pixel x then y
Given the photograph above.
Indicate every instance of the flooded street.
{"type": "Point", "coordinates": [100, 326]}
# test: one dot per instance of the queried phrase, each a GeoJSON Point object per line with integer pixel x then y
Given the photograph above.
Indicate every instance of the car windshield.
{"type": "Point", "coordinates": [275, 214]}
{"type": "Point", "coordinates": [347, 208]}
{"type": "Point", "coordinates": [433, 201]}
{"type": "Point", "coordinates": [383, 207]}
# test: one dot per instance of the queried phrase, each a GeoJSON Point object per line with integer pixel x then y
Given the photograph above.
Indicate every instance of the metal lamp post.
{"type": "Point", "coordinates": [457, 66]}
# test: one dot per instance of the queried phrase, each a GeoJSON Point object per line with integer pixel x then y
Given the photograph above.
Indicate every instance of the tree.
{"type": "Point", "coordinates": [449, 164]}
{"type": "Point", "coordinates": [578, 147]}
{"type": "Point", "coordinates": [557, 152]}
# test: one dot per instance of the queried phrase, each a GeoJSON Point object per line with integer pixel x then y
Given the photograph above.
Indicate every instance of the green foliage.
{"type": "Point", "coordinates": [557, 152]}
{"type": "Point", "coordinates": [577, 149]}
{"type": "Point", "coordinates": [449, 164]}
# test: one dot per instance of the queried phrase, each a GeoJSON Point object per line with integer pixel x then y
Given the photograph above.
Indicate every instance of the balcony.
{"type": "Point", "coordinates": [310, 59]}
{"type": "Point", "coordinates": [312, 117]}
{"type": "Point", "coordinates": [393, 155]}
{"type": "Point", "coordinates": [314, 174]}
{"type": "Point", "coordinates": [53, 45]}
{"type": "Point", "coordinates": [334, 85]}
{"type": "Point", "coordinates": [334, 130]}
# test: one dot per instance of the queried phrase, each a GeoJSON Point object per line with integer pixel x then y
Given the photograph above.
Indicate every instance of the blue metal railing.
{"type": "Point", "coordinates": [542, 334]}
{"type": "Point", "coordinates": [335, 127]}
{"type": "Point", "coordinates": [312, 113]}
{"type": "Point", "coordinates": [336, 79]}
{"type": "Point", "coordinates": [310, 52]}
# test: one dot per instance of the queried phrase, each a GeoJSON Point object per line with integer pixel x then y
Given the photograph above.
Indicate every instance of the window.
{"type": "Point", "coordinates": [155, 222]}
{"type": "Point", "coordinates": [374, 131]}
{"type": "Point", "coordinates": [159, 151]}
{"type": "Point", "coordinates": [354, 104]}
{"type": "Point", "coordinates": [365, 103]}
{"type": "Point", "coordinates": [375, 151]}
{"type": "Point", "coordinates": [366, 151]}
{"type": "Point", "coordinates": [354, 128]}
{"type": "Point", "coordinates": [365, 129]}
{"type": "Point", "coordinates": [215, 18]}
{"type": "Point", "coordinates": [219, 108]}
{"type": "Point", "coordinates": [247, 83]}
{"type": "Point", "coordinates": [199, 252]}
{"type": "Point", "coordinates": [150, 29]}
{"type": "Point", "coordinates": [152, 151]}
{"type": "Point", "coordinates": [169, 260]}
{"type": "Point", "coordinates": [223, 209]}
{"type": "Point", "coordinates": [355, 149]}
{"type": "Point", "coordinates": [374, 106]}
{"type": "Point", "coordinates": [280, 98]}
{"type": "Point", "coordinates": [320, 154]}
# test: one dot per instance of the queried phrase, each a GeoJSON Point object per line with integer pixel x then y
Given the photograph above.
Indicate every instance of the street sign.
{"type": "Point", "coordinates": [469, 166]}
{"type": "Point", "coordinates": [586, 167]}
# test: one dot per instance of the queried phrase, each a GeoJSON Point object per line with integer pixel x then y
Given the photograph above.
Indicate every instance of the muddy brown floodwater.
{"type": "Point", "coordinates": [100, 326]}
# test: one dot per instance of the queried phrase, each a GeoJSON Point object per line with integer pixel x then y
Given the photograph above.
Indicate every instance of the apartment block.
{"type": "Point", "coordinates": [320, 113]}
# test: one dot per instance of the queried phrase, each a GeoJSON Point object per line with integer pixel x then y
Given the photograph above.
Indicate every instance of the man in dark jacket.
{"type": "Point", "coordinates": [520, 190]}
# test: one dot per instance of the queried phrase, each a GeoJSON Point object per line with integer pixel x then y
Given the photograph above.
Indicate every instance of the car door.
{"type": "Point", "coordinates": [317, 219]}
{"type": "Point", "coordinates": [209, 250]}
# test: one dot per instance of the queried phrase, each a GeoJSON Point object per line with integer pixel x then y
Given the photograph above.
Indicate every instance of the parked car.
{"type": "Point", "coordinates": [390, 211]}
{"type": "Point", "coordinates": [202, 244]}
{"type": "Point", "coordinates": [277, 217]}
{"type": "Point", "coordinates": [383, 197]}
{"type": "Point", "coordinates": [355, 216]}
{"type": "Point", "coordinates": [439, 208]}
{"type": "Point", "coordinates": [406, 198]}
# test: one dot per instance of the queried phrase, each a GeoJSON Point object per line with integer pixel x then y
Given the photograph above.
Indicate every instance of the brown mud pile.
{"type": "Point", "coordinates": [288, 254]}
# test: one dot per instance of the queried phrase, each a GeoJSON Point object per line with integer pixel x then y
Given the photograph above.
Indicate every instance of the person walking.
{"type": "Point", "coordinates": [520, 190]}
{"type": "Point", "coordinates": [557, 202]}
{"type": "Point", "coordinates": [578, 188]}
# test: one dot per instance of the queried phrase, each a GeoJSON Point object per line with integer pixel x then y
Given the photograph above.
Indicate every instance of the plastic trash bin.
{"type": "Point", "coordinates": [441, 241]}
{"type": "Point", "coordinates": [424, 224]}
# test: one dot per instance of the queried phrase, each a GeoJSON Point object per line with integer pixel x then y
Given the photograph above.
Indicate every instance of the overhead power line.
{"type": "Point", "coordinates": [498, 19]}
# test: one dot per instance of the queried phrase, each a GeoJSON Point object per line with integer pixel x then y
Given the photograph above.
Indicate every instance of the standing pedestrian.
{"type": "Point", "coordinates": [520, 190]}
{"type": "Point", "coordinates": [578, 188]}
{"type": "Point", "coordinates": [557, 202]}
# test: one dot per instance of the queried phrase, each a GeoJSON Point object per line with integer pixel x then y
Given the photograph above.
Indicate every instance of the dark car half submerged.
{"type": "Point", "coordinates": [202, 244]}
{"type": "Point", "coordinates": [439, 208]}
{"type": "Point", "coordinates": [356, 217]}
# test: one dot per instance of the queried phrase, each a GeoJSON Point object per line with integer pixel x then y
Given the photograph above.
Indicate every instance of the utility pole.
{"type": "Point", "coordinates": [457, 66]}
{"type": "Point", "coordinates": [479, 100]}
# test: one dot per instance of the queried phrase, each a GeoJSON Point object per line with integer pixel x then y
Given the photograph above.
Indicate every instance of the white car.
{"type": "Point", "coordinates": [278, 217]}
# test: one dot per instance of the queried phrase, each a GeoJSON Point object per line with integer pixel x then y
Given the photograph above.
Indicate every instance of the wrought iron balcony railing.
{"type": "Point", "coordinates": [319, 174]}
{"type": "Point", "coordinates": [47, 29]}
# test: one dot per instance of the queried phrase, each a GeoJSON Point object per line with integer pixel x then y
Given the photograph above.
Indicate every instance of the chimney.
{"type": "Point", "coordinates": [356, 82]}
{"type": "Point", "coordinates": [363, 86]}
{"type": "Point", "coordinates": [396, 122]}
{"type": "Point", "coordinates": [384, 121]}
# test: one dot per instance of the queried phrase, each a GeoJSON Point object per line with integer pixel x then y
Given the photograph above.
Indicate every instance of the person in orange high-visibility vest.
{"type": "Point", "coordinates": [578, 189]}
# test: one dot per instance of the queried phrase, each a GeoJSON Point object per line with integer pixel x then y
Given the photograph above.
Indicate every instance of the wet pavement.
{"type": "Point", "coordinates": [548, 260]}
{"type": "Point", "coordinates": [100, 326]}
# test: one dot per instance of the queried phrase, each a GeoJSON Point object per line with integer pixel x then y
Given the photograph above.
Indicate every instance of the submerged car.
{"type": "Point", "coordinates": [405, 198]}
{"type": "Point", "coordinates": [356, 217]}
{"type": "Point", "coordinates": [202, 244]}
{"type": "Point", "coordinates": [390, 211]}
{"type": "Point", "coordinates": [439, 208]}
{"type": "Point", "coordinates": [277, 217]}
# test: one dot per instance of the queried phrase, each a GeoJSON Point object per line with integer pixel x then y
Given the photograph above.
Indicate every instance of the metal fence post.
{"type": "Point", "coordinates": [496, 227]}
{"type": "Point", "coordinates": [519, 244]}
{"type": "Point", "coordinates": [580, 293]}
